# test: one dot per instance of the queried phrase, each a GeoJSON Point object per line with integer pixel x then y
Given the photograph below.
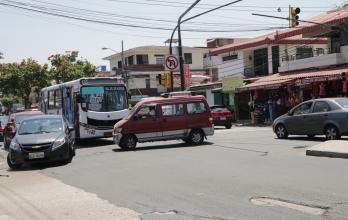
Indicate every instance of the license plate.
{"type": "Point", "coordinates": [36, 155]}
{"type": "Point", "coordinates": [222, 118]}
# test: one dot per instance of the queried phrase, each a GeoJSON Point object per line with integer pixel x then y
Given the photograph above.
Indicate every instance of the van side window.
{"type": "Point", "coordinates": [196, 108]}
{"type": "Point", "coordinates": [173, 110]}
{"type": "Point", "coordinates": [147, 112]}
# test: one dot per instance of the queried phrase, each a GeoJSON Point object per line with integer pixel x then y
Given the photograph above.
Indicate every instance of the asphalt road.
{"type": "Point", "coordinates": [217, 180]}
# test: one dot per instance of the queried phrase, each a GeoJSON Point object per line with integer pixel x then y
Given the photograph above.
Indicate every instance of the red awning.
{"type": "Point", "coordinates": [263, 85]}
{"type": "Point", "coordinates": [301, 77]}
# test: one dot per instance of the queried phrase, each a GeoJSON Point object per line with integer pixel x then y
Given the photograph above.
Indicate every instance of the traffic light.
{"type": "Point", "coordinates": [294, 16]}
{"type": "Point", "coordinates": [162, 79]}
{"type": "Point", "coordinates": [168, 80]}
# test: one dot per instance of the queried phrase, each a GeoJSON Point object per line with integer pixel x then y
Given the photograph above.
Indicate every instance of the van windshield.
{"type": "Point", "coordinates": [131, 112]}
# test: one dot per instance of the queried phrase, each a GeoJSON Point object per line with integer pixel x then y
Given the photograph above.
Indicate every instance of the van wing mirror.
{"type": "Point", "coordinates": [71, 128]}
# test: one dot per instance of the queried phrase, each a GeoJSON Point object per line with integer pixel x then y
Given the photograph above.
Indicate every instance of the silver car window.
{"type": "Point", "coordinates": [305, 108]}
{"type": "Point", "coordinates": [321, 107]}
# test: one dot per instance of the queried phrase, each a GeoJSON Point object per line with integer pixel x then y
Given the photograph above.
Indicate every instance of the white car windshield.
{"type": "Point", "coordinates": [342, 102]}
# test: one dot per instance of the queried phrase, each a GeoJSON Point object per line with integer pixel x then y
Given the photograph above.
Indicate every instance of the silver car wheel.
{"type": "Point", "coordinates": [331, 133]}
{"type": "Point", "coordinates": [281, 131]}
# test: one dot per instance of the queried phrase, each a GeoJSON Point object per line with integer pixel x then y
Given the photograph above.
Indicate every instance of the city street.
{"type": "Point", "coordinates": [241, 173]}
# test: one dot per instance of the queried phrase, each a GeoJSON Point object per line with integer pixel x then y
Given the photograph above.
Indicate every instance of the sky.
{"type": "Point", "coordinates": [29, 34]}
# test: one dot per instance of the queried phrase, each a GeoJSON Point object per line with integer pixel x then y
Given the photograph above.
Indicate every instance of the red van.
{"type": "Point", "coordinates": [158, 119]}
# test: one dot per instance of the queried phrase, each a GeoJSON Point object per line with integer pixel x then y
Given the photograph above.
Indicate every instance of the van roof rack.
{"type": "Point", "coordinates": [180, 93]}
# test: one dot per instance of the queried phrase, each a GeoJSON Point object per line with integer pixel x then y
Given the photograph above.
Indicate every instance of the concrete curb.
{"type": "Point", "coordinates": [326, 154]}
{"type": "Point", "coordinates": [334, 148]}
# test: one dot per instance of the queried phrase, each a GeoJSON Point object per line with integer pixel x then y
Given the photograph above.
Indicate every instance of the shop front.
{"type": "Point", "coordinates": [272, 96]}
{"type": "Point", "coordinates": [229, 85]}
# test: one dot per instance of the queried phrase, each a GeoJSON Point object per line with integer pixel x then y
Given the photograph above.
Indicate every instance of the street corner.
{"type": "Point", "coordinates": [333, 148]}
{"type": "Point", "coordinates": [69, 202]}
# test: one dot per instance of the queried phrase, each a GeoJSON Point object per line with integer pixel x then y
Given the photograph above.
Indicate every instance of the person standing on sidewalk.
{"type": "Point", "coordinates": [252, 111]}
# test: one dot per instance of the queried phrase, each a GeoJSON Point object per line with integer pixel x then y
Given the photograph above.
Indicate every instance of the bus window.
{"type": "Point", "coordinates": [104, 98]}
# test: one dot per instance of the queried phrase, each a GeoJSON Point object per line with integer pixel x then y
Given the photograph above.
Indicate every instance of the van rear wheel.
{"type": "Point", "coordinates": [196, 137]}
{"type": "Point", "coordinates": [128, 142]}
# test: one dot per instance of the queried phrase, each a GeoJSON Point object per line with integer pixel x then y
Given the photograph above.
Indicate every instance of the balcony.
{"type": "Point", "coordinates": [210, 62]}
{"type": "Point", "coordinates": [322, 59]}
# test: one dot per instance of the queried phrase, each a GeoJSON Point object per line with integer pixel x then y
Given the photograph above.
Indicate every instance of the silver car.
{"type": "Point", "coordinates": [327, 117]}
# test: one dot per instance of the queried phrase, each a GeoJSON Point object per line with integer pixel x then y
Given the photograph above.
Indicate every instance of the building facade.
{"type": "Point", "coordinates": [143, 65]}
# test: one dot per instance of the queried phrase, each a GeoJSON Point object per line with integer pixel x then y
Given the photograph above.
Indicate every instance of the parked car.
{"type": "Point", "coordinates": [327, 117]}
{"type": "Point", "coordinates": [222, 116]}
{"type": "Point", "coordinates": [41, 139]}
{"type": "Point", "coordinates": [17, 118]}
{"type": "Point", "coordinates": [156, 119]}
{"type": "Point", "coordinates": [3, 123]}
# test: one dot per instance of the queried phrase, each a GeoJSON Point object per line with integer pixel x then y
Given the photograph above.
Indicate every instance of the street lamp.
{"type": "Point", "coordinates": [122, 62]}
{"type": "Point", "coordinates": [107, 48]}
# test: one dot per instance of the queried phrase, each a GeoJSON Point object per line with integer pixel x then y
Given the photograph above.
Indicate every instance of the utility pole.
{"type": "Point", "coordinates": [181, 59]}
{"type": "Point", "coordinates": [177, 27]}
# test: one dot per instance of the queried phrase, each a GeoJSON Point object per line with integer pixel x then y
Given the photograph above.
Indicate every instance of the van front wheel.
{"type": "Point", "coordinates": [196, 137]}
{"type": "Point", "coordinates": [128, 142]}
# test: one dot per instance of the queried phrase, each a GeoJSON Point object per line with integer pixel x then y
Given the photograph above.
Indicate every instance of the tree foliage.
{"type": "Point", "coordinates": [66, 68]}
{"type": "Point", "coordinates": [20, 79]}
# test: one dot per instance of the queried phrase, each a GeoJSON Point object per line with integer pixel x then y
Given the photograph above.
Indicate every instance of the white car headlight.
{"type": "Point", "coordinates": [14, 145]}
{"type": "Point", "coordinates": [58, 142]}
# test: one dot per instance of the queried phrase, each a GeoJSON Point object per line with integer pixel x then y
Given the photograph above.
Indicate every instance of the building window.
{"type": "Point", "coordinates": [148, 84]}
{"type": "Point", "coordinates": [130, 60]}
{"type": "Point", "coordinates": [304, 52]}
{"type": "Point", "coordinates": [142, 59]}
{"type": "Point", "coordinates": [230, 57]}
{"type": "Point", "coordinates": [119, 64]}
{"type": "Point", "coordinates": [159, 59]}
{"type": "Point", "coordinates": [188, 58]}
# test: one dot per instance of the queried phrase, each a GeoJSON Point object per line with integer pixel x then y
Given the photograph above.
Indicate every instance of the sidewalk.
{"type": "Point", "coordinates": [247, 123]}
{"type": "Point", "coordinates": [335, 148]}
{"type": "Point", "coordinates": [3, 156]}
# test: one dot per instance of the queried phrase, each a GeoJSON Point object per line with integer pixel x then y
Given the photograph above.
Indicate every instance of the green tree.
{"type": "Point", "coordinates": [1, 56]}
{"type": "Point", "coordinates": [21, 79]}
{"type": "Point", "coordinates": [66, 68]}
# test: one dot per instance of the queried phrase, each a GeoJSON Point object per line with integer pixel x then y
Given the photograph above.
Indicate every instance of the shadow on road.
{"type": "Point", "coordinates": [93, 143]}
{"type": "Point", "coordinates": [159, 147]}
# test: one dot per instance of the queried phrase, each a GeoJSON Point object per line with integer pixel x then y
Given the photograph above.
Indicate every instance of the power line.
{"type": "Point", "coordinates": [47, 12]}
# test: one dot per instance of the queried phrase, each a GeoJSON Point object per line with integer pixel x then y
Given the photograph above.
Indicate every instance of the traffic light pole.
{"type": "Point", "coordinates": [177, 27]}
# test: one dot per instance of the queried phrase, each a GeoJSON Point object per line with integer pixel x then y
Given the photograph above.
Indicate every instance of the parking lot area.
{"type": "Point", "coordinates": [224, 178]}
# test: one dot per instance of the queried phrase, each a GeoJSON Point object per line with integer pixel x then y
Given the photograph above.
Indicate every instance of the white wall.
{"type": "Point", "coordinates": [209, 97]}
{"type": "Point", "coordinates": [231, 67]}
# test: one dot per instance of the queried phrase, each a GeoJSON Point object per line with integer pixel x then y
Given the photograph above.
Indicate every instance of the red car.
{"type": "Point", "coordinates": [18, 118]}
{"type": "Point", "coordinates": [221, 116]}
{"type": "Point", "coordinates": [3, 122]}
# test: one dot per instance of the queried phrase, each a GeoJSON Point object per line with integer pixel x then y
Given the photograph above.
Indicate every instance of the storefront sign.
{"type": "Point", "coordinates": [229, 84]}
{"type": "Point", "coordinates": [321, 79]}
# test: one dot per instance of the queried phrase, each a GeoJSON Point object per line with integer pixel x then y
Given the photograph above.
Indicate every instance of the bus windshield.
{"type": "Point", "coordinates": [104, 98]}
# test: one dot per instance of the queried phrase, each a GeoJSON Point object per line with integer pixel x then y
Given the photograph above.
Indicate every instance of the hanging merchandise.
{"type": "Point", "coordinates": [322, 90]}
{"type": "Point", "coordinates": [344, 87]}
{"type": "Point", "coordinates": [315, 91]}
